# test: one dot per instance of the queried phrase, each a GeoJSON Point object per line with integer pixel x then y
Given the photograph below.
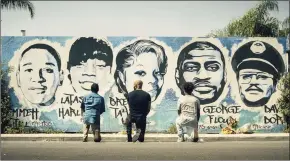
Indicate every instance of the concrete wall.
{"type": "Point", "coordinates": [234, 78]}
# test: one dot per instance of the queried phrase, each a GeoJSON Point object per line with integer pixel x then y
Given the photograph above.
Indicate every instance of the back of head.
{"type": "Point", "coordinates": [188, 87]}
{"type": "Point", "coordinates": [138, 84]}
{"type": "Point", "coordinates": [95, 88]}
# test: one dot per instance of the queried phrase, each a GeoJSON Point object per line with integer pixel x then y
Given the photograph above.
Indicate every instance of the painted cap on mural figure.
{"type": "Point", "coordinates": [258, 55]}
{"type": "Point", "coordinates": [258, 66]}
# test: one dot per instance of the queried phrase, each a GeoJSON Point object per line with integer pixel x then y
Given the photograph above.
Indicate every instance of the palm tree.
{"type": "Point", "coordinates": [18, 4]}
{"type": "Point", "coordinates": [266, 25]}
{"type": "Point", "coordinates": [284, 27]}
{"type": "Point", "coordinates": [255, 22]}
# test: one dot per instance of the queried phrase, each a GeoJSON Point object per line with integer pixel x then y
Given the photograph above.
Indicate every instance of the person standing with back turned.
{"type": "Point", "coordinates": [189, 113]}
{"type": "Point", "coordinates": [139, 107]}
{"type": "Point", "coordinates": [92, 106]}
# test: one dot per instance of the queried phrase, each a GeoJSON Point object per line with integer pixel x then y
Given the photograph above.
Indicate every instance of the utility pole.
{"type": "Point", "coordinates": [23, 32]}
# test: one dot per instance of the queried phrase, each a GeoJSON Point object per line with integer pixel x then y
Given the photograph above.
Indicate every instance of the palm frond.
{"type": "Point", "coordinates": [18, 4]}
{"type": "Point", "coordinates": [264, 7]}
{"type": "Point", "coordinates": [286, 23]}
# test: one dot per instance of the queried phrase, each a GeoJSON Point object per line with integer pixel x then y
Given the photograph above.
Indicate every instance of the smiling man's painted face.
{"type": "Point", "coordinates": [38, 76]}
{"type": "Point", "coordinates": [89, 72]}
{"type": "Point", "coordinates": [146, 69]}
{"type": "Point", "coordinates": [204, 67]}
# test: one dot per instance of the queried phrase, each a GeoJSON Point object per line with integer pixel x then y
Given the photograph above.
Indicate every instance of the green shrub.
{"type": "Point", "coordinates": [284, 100]}
{"type": "Point", "coordinates": [172, 129]}
{"type": "Point", "coordinates": [6, 112]}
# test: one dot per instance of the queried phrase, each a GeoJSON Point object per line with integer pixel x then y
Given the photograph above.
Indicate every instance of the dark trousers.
{"type": "Point", "coordinates": [140, 122]}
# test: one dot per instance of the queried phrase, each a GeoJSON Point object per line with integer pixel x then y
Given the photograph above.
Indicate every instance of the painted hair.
{"type": "Point", "coordinates": [89, 48]}
{"type": "Point", "coordinates": [50, 49]}
{"type": "Point", "coordinates": [199, 45]}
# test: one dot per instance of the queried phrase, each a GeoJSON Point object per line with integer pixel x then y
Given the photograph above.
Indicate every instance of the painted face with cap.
{"type": "Point", "coordinates": [257, 65]}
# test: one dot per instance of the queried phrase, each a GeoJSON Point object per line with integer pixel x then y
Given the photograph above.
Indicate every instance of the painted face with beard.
{"type": "Point", "coordinates": [204, 67]}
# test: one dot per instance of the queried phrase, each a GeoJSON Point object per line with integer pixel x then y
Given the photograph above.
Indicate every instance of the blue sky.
{"type": "Point", "coordinates": [127, 18]}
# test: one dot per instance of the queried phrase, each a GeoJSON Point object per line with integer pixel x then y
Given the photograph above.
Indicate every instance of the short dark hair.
{"type": "Point", "coordinates": [188, 87]}
{"type": "Point", "coordinates": [89, 46]}
{"type": "Point", "coordinates": [50, 49]}
{"type": "Point", "coordinates": [203, 45]}
{"type": "Point", "coordinates": [95, 88]}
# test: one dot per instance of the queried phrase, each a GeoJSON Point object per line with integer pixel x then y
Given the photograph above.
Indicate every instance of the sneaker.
{"type": "Point", "coordinates": [85, 140]}
{"type": "Point", "coordinates": [136, 136]}
{"type": "Point", "coordinates": [97, 137]}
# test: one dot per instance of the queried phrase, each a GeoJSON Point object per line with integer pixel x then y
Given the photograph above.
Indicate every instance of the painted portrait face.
{"type": "Point", "coordinates": [145, 68]}
{"type": "Point", "coordinates": [87, 73]}
{"type": "Point", "coordinates": [38, 76]}
{"type": "Point", "coordinates": [255, 85]}
{"type": "Point", "coordinates": [143, 60]}
{"type": "Point", "coordinates": [258, 66]}
{"type": "Point", "coordinates": [90, 61]}
{"type": "Point", "coordinates": [205, 69]}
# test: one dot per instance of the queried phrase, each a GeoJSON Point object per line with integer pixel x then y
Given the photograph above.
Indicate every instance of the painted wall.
{"type": "Point", "coordinates": [233, 77]}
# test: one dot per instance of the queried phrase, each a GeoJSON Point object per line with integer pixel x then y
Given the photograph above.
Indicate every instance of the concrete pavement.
{"type": "Point", "coordinates": [242, 150]}
{"type": "Point", "coordinates": [149, 137]}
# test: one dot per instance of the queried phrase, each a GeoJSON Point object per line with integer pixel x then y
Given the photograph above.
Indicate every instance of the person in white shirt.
{"type": "Point", "coordinates": [189, 113]}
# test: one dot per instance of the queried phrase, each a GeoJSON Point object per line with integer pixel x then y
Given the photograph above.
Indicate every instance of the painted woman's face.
{"type": "Point", "coordinates": [145, 68]}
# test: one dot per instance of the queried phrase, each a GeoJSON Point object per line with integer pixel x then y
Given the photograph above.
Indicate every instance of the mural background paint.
{"type": "Point", "coordinates": [65, 114]}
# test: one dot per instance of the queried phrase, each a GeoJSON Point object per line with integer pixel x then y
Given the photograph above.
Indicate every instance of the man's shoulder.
{"type": "Point", "coordinates": [145, 93]}
{"type": "Point", "coordinates": [137, 92]}
{"type": "Point", "coordinates": [188, 97]}
{"type": "Point", "coordinates": [93, 95]}
{"type": "Point", "coordinates": [131, 93]}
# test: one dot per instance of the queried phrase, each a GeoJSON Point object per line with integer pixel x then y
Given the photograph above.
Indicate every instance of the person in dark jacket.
{"type": "Point", "coordinates": [93, 105]}
{"type": "Point", "coordinates": [139, 106]}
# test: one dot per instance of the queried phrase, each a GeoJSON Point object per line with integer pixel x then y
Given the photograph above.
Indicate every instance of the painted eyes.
{"type": "Point", "coordinates": [140, 73]}
{"type": "Point", "coordinates": [28, 70]}
{"type": "Point", "coordinates": [258, 76]}
{"type": "Point", "coordinates": [195, 68]}
{"type": "Point", "coordinates": [212, 67]}
{"type": "Point", "coordinates": [84, 65]}
{"type": "Point", "coordinates": [191, 68]}
{"type": "Point", "coordinates": [48, 70]}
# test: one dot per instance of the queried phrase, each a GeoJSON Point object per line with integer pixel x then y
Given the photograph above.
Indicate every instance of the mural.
{"type": "Point", "coordinates": [234, 79]}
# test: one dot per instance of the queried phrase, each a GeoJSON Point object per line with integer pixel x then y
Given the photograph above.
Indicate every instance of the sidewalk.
{"type": "Point", "coordinates": [148, 137]}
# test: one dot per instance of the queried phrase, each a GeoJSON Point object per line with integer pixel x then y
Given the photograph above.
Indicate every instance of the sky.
{"type": "Point", "coordinates": [127, 18]}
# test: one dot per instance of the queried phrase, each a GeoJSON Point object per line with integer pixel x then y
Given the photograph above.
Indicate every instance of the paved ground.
{"type": "Point", "coordinates": [242, 150]}
{"type": "Point", "coordinates": [149, 137]}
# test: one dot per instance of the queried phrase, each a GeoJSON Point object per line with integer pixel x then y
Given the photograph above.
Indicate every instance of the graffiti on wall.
{"type": "Point", "coordinates": [234, 78]}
